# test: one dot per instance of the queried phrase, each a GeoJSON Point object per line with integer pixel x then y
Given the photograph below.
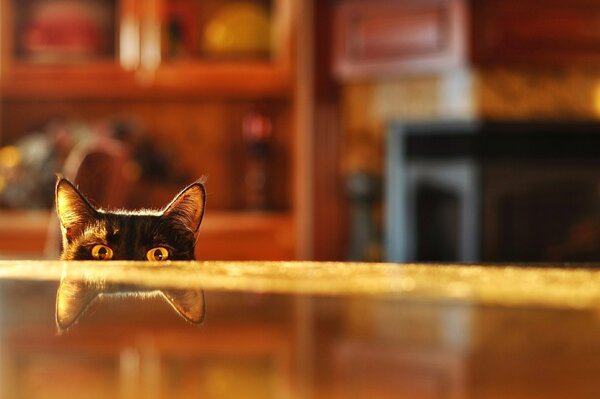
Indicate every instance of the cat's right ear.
{"type": "Point", "coordinates": [74, 211]}
{"type": "Point", "coordinates": [187, 208]}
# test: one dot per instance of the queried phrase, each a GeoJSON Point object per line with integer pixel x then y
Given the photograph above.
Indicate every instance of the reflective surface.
{"type": "Point", "coordinates": [565, 285]}
{"type": "Point", "coordinates": [297, 330]}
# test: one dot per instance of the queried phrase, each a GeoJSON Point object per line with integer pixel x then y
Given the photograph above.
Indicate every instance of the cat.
{"type": "Point", "coordinates": [90, 233]}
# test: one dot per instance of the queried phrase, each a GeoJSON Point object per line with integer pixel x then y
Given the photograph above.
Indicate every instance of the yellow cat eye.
{"type": "Point", "coordinates": [157, 254]}
{"type": "Point", "coordinates": [102, 252]}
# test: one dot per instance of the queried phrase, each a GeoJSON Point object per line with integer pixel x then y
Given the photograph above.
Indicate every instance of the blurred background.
{"type": "Point", "coordinates": [368, 130]}
{"type": "Point", "coordinates": [442, 130]}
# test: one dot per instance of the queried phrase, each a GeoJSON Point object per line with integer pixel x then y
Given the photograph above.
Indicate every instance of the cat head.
{"type": "Point", "coordinates": [89, 233]}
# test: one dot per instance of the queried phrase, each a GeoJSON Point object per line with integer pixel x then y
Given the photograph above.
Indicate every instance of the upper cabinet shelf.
{"type": "Point", "coordinates": [383, 37]}
{"type": "Point", "coordinates": [536, 32]}
{"type": "Point", "coordinates": [146, 47]}
{"type": "Point", "coordinates": [379, 38]}
{"type": "Point", "coordinates": [239, 46]}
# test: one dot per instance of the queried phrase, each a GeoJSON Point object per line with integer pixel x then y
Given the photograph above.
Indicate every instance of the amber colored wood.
{"type": "Point", "coordinates": [23, 233]}
{"type": "Point", "coordinates": [246, 236]}
{"type": "Point", "coordinates": [367, 369]}
{"type": "Point", "coordinates": [375, 39]}
{"type": "Point", "coordinates": [123, 78]}
{"type": "Point", "coordinates": [536, 32]}
{"type": "Point", "coordinates": [98, 374]}
{"type": "Point", "coordinates": [271, 76]}
{"type": "Point", "coordinates": [133, 362]}
{"type": "Point", "coordinates": [329, 214]}
{"type": "Point", "coordinates": [378, 38]}
{"type": "Point", "coordinates": [367, 346]}
{"type": "Point", "coordinates": [250, 79]}
{"type": "Point", "coordinates": [102, 73]}
{"type": "Point", "coordinates": [263, 350]}
{"type": "Point", "coordinates": [107, 80]}
{"type": "Point", "coordinates": [259, 81]}
{"type": "Point", "coordinates": [303, 125]}
{"type": "Point", "coordinates": [192, 109]}
{"type": "Point", "coordinates": [202, 137]}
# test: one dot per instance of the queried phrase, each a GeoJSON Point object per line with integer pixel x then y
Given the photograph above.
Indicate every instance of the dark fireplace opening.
{"type": "Point", "coordinates": [438, 223]}
{"type": "Point", "coordinates": [493, 191]}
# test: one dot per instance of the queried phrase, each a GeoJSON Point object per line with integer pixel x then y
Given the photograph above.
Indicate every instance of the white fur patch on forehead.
{"type": "Point", "coordinates": [94, 231]}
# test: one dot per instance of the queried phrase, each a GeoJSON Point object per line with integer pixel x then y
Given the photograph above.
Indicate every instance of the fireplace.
{"type": "Point", "coordinates": [493, 191]}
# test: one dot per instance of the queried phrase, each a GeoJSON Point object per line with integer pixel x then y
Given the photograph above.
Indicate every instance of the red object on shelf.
{"type": "Point", "coordinates": [257, 130]}
{"type": "Point", "coordinates": [54, 30]}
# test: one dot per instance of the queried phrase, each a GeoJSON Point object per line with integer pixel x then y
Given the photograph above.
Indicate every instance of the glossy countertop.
{"type": "Point", "coordinates": [298, 330]}
{"type": "Point", "coordinates": [562, 286]}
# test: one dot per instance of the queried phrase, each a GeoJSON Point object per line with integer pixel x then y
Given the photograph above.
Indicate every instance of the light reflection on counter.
{"type": "Point", "coordinates": [540, 285]}
{"type": "Point", "coordinates": [304, 330]}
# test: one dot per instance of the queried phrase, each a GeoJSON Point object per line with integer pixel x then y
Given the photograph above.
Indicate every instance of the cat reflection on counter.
{"type": "Point", "coordinates": [89, 233]}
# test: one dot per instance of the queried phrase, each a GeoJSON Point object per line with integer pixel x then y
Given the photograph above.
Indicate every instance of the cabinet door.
{"type": "Point", "coordinates": [132, 47]}
{"type": "Point", "coordinates": [62, 47]}
{"type": "Point", "coordinates": [378, 38]}
{"type": "Point", "coordinates": [543, 32]}
{"type": "Point", "coordinates": [227, 47]}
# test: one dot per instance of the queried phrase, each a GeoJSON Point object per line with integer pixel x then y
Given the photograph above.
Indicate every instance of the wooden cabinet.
{"type": "Point", "coordinates": [389, 37]}
{"type": "Point", "coordinates": [189, 74]}
{"type": "Point", "coordinates": [543, 33]}
{"type": "Point", "coordinates": [125, 48]}
{"type": "Point", "coordinates": [41, 56]}
{"type": "Point", "coordinates": [393, 37]}
{"type": "Point", "coordinates": [240, 47]}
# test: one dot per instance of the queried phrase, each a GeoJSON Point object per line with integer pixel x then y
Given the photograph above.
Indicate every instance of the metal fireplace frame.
{"type": "Point", "coordinates": [457, 155]}
{"type": "Point", "coordinates": [460, 175]}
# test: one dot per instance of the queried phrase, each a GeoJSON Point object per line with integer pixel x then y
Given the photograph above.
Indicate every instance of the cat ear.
{"type": "Point", "coordinates": [72, 299]}
{"type": "Point", "coordinates": [187, 208]}
{"type": "Point", "coordinates": [74, 211]}
{"type": "Point", "coordinates": [188, 303]}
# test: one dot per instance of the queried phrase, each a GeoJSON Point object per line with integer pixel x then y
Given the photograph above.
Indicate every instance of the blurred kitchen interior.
{"type": "Point", "coordinates": [331, 130]}
{"type": "Point", "coordinates": [430, 130]}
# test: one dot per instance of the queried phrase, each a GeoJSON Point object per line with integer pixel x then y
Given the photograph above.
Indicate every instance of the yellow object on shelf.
{"type": "Point", "coordinates": [239, 29]}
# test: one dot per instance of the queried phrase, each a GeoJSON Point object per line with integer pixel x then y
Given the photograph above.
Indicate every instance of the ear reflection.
{"type": "Point", "coordinates": [72, 299]}
{"type": "Point", "coordinates": [75, 296]}
{"type": "Point", "coordinates": [188, 303]}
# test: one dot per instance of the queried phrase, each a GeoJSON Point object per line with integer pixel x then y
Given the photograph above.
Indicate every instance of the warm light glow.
{"type": "Point", "coordinates": [130, 43]}
{"type": "Point", "coordinates": [151, 47]}
{"type": "Point", "coordinates": [597, 99]}
{"type": "Point", "coordinates": [501, 285]}
{"type": "Point", "coordinates": [10, 157]}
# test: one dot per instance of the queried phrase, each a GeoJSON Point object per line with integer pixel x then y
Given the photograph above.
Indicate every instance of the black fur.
{"type": "Point", "coordinates": [129, 235]}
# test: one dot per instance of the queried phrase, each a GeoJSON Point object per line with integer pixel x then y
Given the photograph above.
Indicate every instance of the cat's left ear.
{"type": "Point", "coordinates": [74, 210]}
{"type": "Point", "coordinates": [187, 208]}
{"type": "Point", "coordinates": [72, 299]}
